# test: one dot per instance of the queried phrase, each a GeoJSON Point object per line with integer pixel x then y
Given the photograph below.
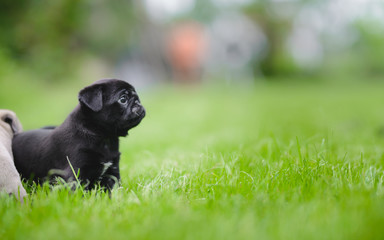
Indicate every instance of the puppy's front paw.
{"type": "Point", "coordinates": [108, 182]}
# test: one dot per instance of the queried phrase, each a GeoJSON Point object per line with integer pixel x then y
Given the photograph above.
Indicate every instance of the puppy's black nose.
{"type": "Point", "coordinates": [137, 109]}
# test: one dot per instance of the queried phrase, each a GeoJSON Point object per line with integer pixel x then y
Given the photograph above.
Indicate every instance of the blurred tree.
{"type": "Point", "coordinates": [52, 36]}
{"type": "Point", "coordinates": [10, 14]}
{"type": "Point", "coordinates": [370, 47]}
{"type": "Point", "coordinates": [41, 34]}
{"type": "Point", "coordinates": [204, 11]}
{"type": "Point", "coordinates": [276, 22]}
{"type": "Point", "coordinates": [109, 27]}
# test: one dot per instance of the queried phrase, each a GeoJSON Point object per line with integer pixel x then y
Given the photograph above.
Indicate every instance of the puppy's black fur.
{"type": "Point", "coordinates": [88, 138]}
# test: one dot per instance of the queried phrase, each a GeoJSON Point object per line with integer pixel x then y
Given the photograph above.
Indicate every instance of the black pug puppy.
{"type": "Point", "coordinates": [88, 139]}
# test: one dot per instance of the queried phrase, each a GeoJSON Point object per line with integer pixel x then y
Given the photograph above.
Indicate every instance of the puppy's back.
{"type": "Point", "coordinates": [28, 148]}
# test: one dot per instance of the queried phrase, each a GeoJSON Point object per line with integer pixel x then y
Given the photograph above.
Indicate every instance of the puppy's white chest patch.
{"type": "Point", "coordinates": [105, 167]}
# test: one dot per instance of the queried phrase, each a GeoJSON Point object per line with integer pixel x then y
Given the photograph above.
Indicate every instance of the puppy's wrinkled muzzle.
{"type": "Point", "coordinates": [138, 109]}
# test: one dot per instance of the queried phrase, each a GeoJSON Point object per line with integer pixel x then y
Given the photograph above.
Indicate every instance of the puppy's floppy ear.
{"type": "Point", "coordinates": [92, 97]}
{"type": "Point", "coordinates": [13, 122]}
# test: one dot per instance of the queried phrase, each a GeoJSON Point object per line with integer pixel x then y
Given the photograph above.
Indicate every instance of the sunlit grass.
{"type": "Point", "coordinates": [270, 162]}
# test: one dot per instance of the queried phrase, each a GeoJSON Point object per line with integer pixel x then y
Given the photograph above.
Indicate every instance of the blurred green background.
{"type": "Point", "coordinates": [149, 42]}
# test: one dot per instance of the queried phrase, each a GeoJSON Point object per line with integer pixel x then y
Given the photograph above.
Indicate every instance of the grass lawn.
{"type": "Point", "coordinates": [274, 161]}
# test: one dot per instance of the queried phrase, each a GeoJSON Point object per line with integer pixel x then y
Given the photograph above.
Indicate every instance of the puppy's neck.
{"type": "Point", "coordinates": [83, 123]}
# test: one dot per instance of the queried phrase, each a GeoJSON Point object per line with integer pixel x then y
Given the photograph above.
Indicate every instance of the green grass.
{"type": "Point", "coordinates": [269, 162]}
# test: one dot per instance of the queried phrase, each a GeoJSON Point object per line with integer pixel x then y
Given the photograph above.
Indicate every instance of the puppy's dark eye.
{"type": "Point", "coordinates": [123, 99]}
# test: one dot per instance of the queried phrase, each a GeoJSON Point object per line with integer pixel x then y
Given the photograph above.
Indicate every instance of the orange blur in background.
{"type": "Point", "coordinates": [186, 45]}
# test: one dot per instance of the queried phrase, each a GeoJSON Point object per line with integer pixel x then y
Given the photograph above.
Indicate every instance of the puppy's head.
{"type": "Point", "coordinates": [10, 122]}
{"type": "Point", "coordinates": [112, 105]}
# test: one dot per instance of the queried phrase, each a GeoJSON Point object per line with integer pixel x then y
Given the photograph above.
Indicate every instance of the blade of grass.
{"type": "Point", "coordinates": [74, 173]}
